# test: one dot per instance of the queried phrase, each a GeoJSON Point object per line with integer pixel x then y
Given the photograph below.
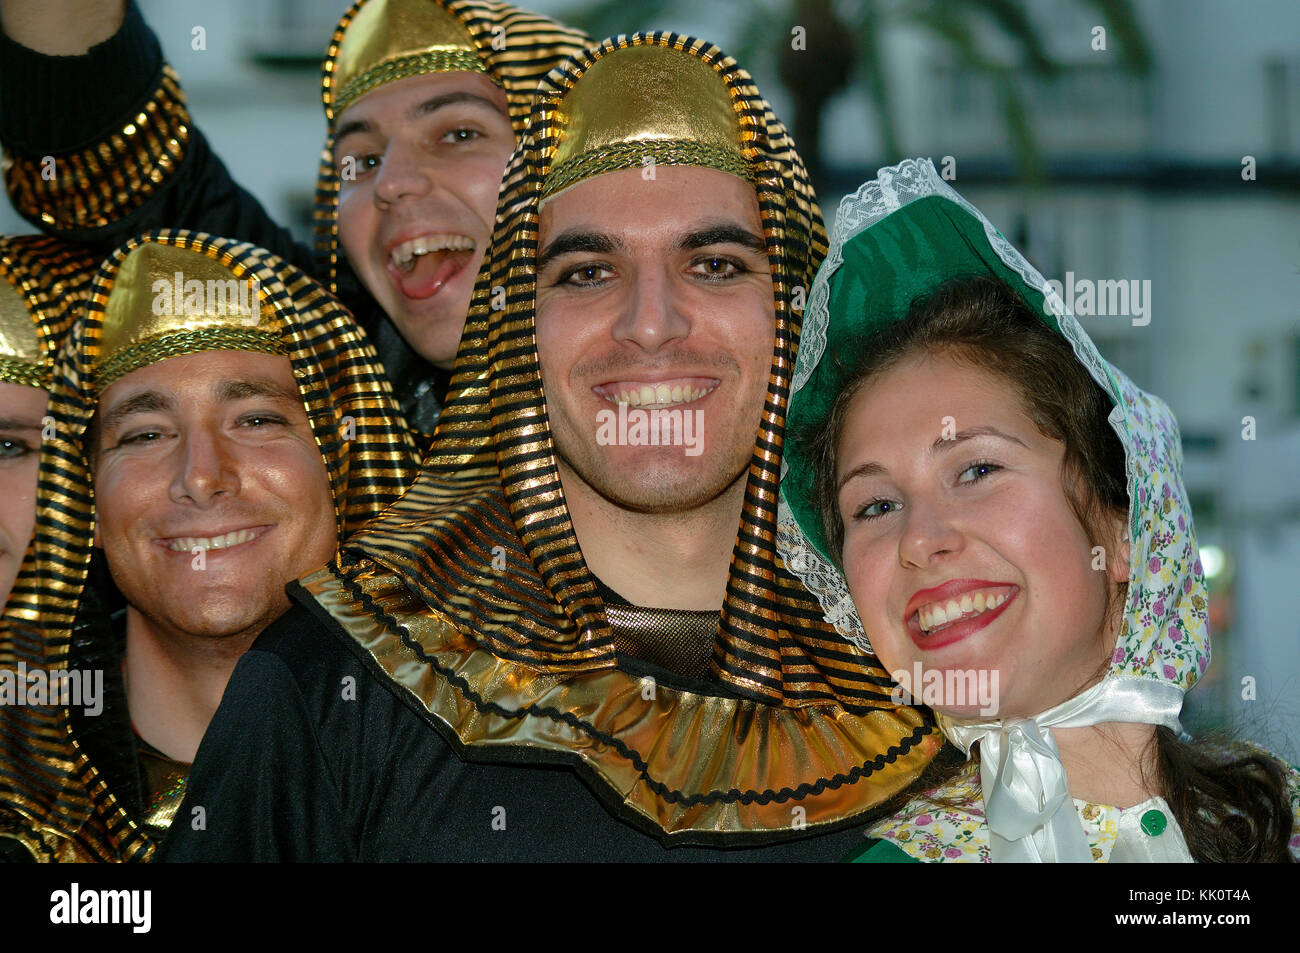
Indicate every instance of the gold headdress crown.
{"type": "Point", "coordinates": [167, 301]}
{"type": "Point", "coordinates": [387, 40]}
{"type": "Point", "coordinates": [647, 103]}
{"type": "Point", "coordinates": [22, 357]}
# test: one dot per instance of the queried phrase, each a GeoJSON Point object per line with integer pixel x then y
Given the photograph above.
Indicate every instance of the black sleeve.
{"type": "Point", "coordinates": [259, 790]}
{"type": "Point", "coordinates": [112, 176]}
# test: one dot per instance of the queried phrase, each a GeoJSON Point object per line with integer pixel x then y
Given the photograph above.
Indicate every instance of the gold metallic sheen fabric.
{"type": "Point", "coordinates": [52, 797]}
{"type": "Point", "coordinates": [390, 39]}
{"type": "Point", "coordinates": [43, 283]}
{"type": "Point", "coordinates": [815, 708]}
{"type": "Point", "coordinates": [164, 789]}
{"type": "Point", "coordinates": [402, 38]}
{"type": "Point", "coordinates": [18, 341]}
{"type": "Point", "coordinates": [109, 179]}
{"type": "Point", "coordinates": [169, 300]}
{"type": "Point", "coordinates": [686, 763]}
{"type": "Point", "coordinates": [647, 103]}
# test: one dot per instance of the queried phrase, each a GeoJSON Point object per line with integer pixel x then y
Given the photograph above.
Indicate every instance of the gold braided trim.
{"type": "Point", "coordinates": [20, 372]}
{"type": "Point", "coordinates": [177, 343]}
{"type": "Point", "coordinates": [629, 155]}
{"type": "Point", "coordinates": [418, 64]}
{"type": "Point", "coordinates": [109, 179]}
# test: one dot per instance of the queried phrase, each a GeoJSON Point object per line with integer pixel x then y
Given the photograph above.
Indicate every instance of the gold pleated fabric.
{"type": "Point", "coordinates": [54, 798]}
{"type": "Point", "coordinates": [805, 717]}
{"type": "Point", "coordinates": [380, 41]}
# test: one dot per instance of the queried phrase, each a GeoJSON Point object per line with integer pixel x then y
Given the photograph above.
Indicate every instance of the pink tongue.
{"type": "Point", "coordinates": [431, 272]}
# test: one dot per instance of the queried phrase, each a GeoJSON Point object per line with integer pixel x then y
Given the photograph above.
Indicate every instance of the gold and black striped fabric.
{"type": "Point", "coordinates": [108, 180]}
{"type": "Point", "coordinates": [52, 279]}
{"type": "Point", "coordinates": [473, 594]}
{"type": "Point", "coordinates": [516, 49]}
{"type": "Point", "coordinates": [63, 805]}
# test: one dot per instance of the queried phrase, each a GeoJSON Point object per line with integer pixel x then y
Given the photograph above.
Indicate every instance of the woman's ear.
{"type": "Point", "coordinates": [1117, 567]}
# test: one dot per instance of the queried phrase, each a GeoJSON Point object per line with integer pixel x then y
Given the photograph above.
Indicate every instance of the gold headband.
{"type": "Point", "coordinates": [167, 301]}
{"type": "Point", "coordinates": [23, 359]}
{"type": "Point", "coordinates": [647, 102]}
{"type": "Point", "coordinates": [389, 40]}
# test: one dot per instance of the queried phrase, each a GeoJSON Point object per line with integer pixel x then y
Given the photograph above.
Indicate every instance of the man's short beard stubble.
{"type": "Point", "coordinates": [666, 486]}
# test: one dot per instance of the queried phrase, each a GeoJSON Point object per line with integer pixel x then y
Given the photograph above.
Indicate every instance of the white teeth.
{"type": "Point", "coordinates": [660, 395]}
{"type": "Point", "coordinates": [404, 254]}
{"type": "Point", "coordinates": [932, 616]}
{"type": "Point", "coordinates": [187, 544]}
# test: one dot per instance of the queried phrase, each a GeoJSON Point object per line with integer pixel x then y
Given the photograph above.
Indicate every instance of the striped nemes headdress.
{"type": "Point", "coordinates": [46, 281]}
{"type": "Point", "coordinates": [472, 591]}
{"type": "Point", "coordinates": [381, 41]}
{"type": "Point", "coordinates": [164, 295]}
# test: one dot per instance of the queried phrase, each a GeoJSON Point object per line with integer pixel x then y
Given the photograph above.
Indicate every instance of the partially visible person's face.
{"type": "Point", "coordinates": [210, 451]}
{"type": "Point", "coordinates": [420, 163]}
{"type": "Point", "coordinates": [655, 295]}
{"type": "Point", "coordinates": [21, 410]}
{"type": "Point", "coordinates": [961, 549]}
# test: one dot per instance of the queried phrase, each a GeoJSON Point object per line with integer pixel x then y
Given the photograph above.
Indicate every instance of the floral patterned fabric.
{"type": "Point", "coordinates": [939, 833]}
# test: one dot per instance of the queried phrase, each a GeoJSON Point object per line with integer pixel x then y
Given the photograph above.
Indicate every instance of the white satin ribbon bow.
{"type": "Point", "coordinates": [1027, 802]}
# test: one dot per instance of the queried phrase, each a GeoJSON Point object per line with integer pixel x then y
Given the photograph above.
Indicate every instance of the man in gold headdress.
{"type": "Point", "coordinates": [218, 424]}
{"type": "Point", "coordinates": [424, 99]}
{"type": "Point", "coordinates": [572, 638]}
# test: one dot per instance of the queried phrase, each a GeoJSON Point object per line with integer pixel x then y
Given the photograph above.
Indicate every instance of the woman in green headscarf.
{"type": "Point", "coordinates": [1002, 513]}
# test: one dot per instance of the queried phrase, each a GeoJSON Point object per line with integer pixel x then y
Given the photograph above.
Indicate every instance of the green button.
{"type": "Point", "coordinates": [1154, 823]}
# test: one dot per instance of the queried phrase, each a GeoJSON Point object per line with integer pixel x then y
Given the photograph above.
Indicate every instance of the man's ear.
{"type": "Point", "coordinates": [1117, 567]}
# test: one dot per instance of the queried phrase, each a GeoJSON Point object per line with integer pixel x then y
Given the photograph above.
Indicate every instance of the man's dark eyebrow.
{"type": "Point", "coordinates": [13, 423]}
{"type": "Point", "coordinates": [945, 443]}
{"type": "Point", "coordinates": [352, 126]}
{"type": "Point", "coordinates": [143, 403]}
{"type": "Point", "coordinates": [428, 107]}
{"type": "Point", "coordinates": [576, 240]}
{"type": "Point", "coordinates": [243, 388]}
{"type": "Point", "coordinates": [451, 99]}
{"type": "Point", "coordinates": [722, 233]}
